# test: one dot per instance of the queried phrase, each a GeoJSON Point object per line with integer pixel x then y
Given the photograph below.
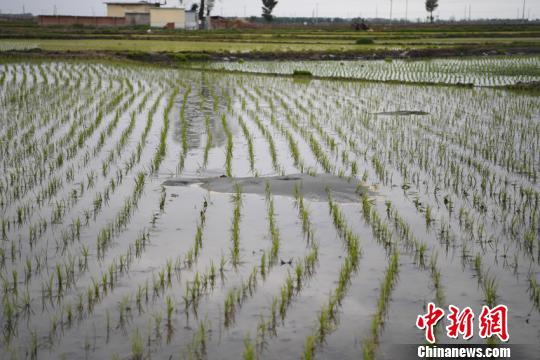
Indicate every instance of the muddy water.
{"type": "Point", "coordinates": [314, 188]}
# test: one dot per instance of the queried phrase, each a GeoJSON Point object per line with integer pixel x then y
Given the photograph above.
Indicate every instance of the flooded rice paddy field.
{"type": "Point", "coordinates": [136, 220]}
{"type": "Point", "coordinates": [486, 71]}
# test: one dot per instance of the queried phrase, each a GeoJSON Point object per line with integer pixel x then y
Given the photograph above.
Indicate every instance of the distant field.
{"type": "Point", "coordinates": [483, 71]}
{"type": "Point", "coordinates": [267, 40]}
{"type": "Point", "coordinates": [178, 46]}
{"type": "Point", "coordinates": [246, 46]}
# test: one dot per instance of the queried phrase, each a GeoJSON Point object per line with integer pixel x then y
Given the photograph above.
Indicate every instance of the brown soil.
{"type": "Point", "coordinates": [164, 58]}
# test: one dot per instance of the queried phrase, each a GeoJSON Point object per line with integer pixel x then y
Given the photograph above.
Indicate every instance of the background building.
{"type": "Point", "coordinates": [119, 9]}
{"type": "Point", "coordinates": [174, 18]}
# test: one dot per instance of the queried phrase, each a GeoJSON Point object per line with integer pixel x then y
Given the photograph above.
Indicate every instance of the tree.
{"type": "Point", "coordinates": [204, 11]}
{"type": "Point", "coordinates": [201, 12]}
{"type": "Point", "coordinates": [431, 5]}
{"type": "Point", "coordinates": [268, 7]}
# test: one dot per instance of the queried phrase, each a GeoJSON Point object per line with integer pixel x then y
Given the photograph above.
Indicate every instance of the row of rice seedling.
{"type": "Point", "coordinates": [162, 147]}
{"type": "Point", "coordinates": [463, 205]}
{"type": "Point", "coordinates": [238, 295]}
{"type": "Point", "coordinates": [428, 216]}
{"type": "Point", "coordinates": [42, 225]}
{"type": "Point", "coordinates": [428, 211]}
{"type": "Point", "coordinates": [70, 201]}
{"type": "Point", "coordinates": [63, 284]}
{"type": "Point", "coordinates": [184, 124]}
{"type": "Point", "coordinates": [478, 71]}
{"type": "Point", "coordinates": [229, 148]}
{"type": "Point", "coordinates": [328, 316]}
{"type": "Point", "coordinates": [59, 160]}
{"type": "Point", "coordinates": [435, 273]}
{"type": "Point", "coordinates": [291, 287]}
{"type": "Point", "coordinates": [235, 227]}
{"type": "Point", "coordinates": [42, 157]}
{"type": "Point", "coordinates": [29, 126]}
{"type": "Point", "coordinates": [52, 188]}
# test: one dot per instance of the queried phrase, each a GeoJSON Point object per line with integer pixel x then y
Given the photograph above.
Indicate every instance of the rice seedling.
{"type": "Point", "coordinates": [369, 346]}
{"type": "Point", "coordinates": [235, 228]}
{"type": "Point", "coordinates": [229, 307]}
{"type": "Point", "coordinates": [162, 147]}
{"type": "Point", "coordinates": [170, 309]}
{"type": "Point", "coordinates": [229, 148]}
{"type": "Point", "coordinates": [249, 350]}
{"type": "Point", "coordinates": [269, 138]}
{"type": "Point", "coordinates": [274, 232]}
{"type": "Point", "coordinates": [489, 286]}
{"type": "Point", "coordinates": [63, 186]}
{"type": "Point", "coordinates": [209, 138]}
{"type": "Point", "coordinates": [137, 346]}
{"type": "Point", "coordinates": [249, 139]}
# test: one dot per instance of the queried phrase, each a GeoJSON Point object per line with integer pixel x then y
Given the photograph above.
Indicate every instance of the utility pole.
{"type": "Point", "coordinates": [523, 10]}
{"type": "Point", "coordinates": [469, 12]}
{"type": "Point", "coordinates": [55, 12]}
{"type": "Point", "coordinates": [406, 9]}
{"type": "Point", "coordinates": [391, 4]}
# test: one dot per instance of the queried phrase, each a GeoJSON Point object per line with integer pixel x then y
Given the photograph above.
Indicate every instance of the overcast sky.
{"type": "Point", "coordinates": [334, 8]}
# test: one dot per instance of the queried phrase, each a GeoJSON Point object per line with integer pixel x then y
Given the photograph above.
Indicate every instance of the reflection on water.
{"type": "Point", "coordinates": [202, 101]}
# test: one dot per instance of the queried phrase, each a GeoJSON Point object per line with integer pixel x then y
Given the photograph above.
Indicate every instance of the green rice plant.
{"type": "Point", "coordinates": [197, 348]}
{"type": "Point", "coordinates": [489, 286]}
{"type": "Point", "coordinates": [229, 307]}
{"type": "Point", "coordinates": [229, 148]}
{"type": "Point", "coordinates": [436, 278]}
{"type": "Point", "coordinates": [429, 216]}
{"type": "Point", "coordinates": [273, 229]}
{"type": "Point", "coordinates": [269, 138]}
{"type": "Point", "coordinates": [273, 315]}
{"type": "Point", "coordinates": [299, 272]}
{"type": "Point", "coordinates": [478, 266]}
{"type": "Point", "coordinates": [158, 317]}
{"type": "Point", "coordinates": [324, 324]}
{"type": "Point", "coordinates": [137, 346]}
{"type": "Point", "coordinates": [263, 265]}
{"type": "Point", "coordinates": [309, 347]}
{"type": "Point", "coordinates": [235, 228]}
{"type": "Point", "coordinates": [369, 346]}
{"type": "Point", "coordinates": [249, 350]}
{"type": "Point", "coordinates": [249, 139]}
{"type": "Point", "coordinates": [170, 309]}
{"type": "Point", "coordinates": [162, 146]}
{"type": "Point", "coordinates": [34, 345]}
{"type": "Point", "coordinates": [209, 138]}
{"type": "Point", "coordinates": [283, 302]}
{"type": "Point", "coordinates": [302, 73]}
{"type": "Point", "coordinates": [534, 290]}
